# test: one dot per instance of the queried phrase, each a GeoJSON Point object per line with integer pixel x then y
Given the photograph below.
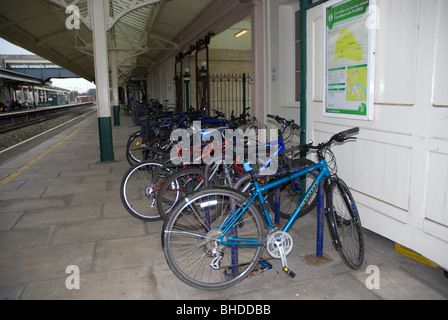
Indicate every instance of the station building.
{"type": "Point", "coordinates": [330, 65]}
{"type": "Point", "coordinates": [25, 82]}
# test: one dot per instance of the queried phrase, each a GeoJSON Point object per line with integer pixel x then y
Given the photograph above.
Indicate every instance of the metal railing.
{"type": "Point", "coordinates": [230, 92]}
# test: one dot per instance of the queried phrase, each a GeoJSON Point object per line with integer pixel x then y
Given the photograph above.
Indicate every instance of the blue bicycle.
{"type": "Point", "coordinates": [215, 237]}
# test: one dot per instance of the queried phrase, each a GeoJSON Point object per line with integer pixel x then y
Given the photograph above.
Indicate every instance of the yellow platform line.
{"type": "Point", "coordinates": [25, 167]}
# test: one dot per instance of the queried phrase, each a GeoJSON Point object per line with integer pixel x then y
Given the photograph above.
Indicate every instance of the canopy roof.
{"type": "Point", "coordinates": [143, 32]}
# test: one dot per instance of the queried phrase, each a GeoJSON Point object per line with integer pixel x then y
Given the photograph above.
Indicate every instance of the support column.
{"type": "Point", "coordinates": [115, 95]}
{"type": "Point", "coordinates": [99, 14]}
{"type": "Point", "coordinates": [257, 59]}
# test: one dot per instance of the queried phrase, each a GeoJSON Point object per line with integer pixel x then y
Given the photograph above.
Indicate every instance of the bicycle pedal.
{"type": "Point", "coordinates": [289, 272]}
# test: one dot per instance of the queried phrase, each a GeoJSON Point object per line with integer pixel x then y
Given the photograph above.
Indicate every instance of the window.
{"type": "Point", "coordinates": [298, 57]}
{"type": "Point", "coordinates": [15, 66]}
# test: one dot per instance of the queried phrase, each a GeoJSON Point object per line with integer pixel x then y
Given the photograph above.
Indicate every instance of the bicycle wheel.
{"type": "Point", "coordinates": [176, 186]}
{"type": "Point", "coordinates": [139, 187]}
{"type": "Point", "coordinates": [345, 224]}
{"type": "Point", "coordinates": [190, 234]}
{"type": "Point", "coordinates": [221, 175]}
{"type": "Point", "coordinates": [155, 151]}
{"type": "Point", "coordinates": [292, 193]}
{"type": "Point", "coordinates": [135, 153]}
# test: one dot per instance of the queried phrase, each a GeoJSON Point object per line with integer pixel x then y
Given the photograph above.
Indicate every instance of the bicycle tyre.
{"type": "Point", "coordinates": [139, 187]}
{"type": "Point", "coordinates": [175, 187]}
{"type": "Point", "coordinates": [345, 224]}
{"type": "Point", "coordinates": [135, 151]}
{"type": "Point", "coordinates": [291, 193]}
{"type": "Point", "coordinates": [153, 152]}
{"type": "Point", "coordinates": [133, 148]}
{"type": "Point", "coordinates": [219, 175]}
{"type": "Point", "coordinates": [189, 235]}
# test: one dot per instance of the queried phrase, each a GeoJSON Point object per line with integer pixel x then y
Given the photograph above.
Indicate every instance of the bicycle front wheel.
{"type": "Point", "coordinates": [190, 234]}
{"type": "Point", "coordinates": [139, 187]}
{"type": "Point", "coordinates": [345, 224]}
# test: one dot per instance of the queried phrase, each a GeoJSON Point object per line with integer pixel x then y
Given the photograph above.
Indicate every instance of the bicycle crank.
{"type": "Point", "coordinates": [279, 244]}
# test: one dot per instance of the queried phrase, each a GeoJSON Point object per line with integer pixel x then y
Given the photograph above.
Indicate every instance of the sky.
{"type": "Point", "coordinates": [80, 85]}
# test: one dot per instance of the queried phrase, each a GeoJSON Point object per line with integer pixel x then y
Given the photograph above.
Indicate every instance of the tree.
{"type": "Point", "coordinates": [92, 92]}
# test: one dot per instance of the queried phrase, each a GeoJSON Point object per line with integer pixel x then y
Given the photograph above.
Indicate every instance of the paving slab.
{"type": "Point", "coordinates": [44, 263]}
{"type": "Point", "coordinates": [126, 284]}
{"type": "Point", "coordinates": [58, 216]}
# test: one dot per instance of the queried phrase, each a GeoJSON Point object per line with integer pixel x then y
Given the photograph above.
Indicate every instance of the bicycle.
{"type": "Point", "coordinates": [141, 183]}
{"type": "Point", "coordinates": [216, 236]}
{"type": "Point", "coordinates": [294, 190]}
{"type": "Point", "coordinates": [219, 172]}
{"type": "Point", "coordinates": [139, 186]}
{"type": "Point", "coordinates": [139, 148]}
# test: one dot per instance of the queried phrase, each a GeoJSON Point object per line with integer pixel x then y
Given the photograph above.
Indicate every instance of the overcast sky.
{"type": "Point", "coordinates": [80, 85]}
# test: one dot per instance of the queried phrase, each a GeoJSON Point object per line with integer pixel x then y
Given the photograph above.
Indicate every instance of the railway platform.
{"type": "Point", "coordinates": [32, 110]}
{"type": "Point", "coordinates": [60, 207]}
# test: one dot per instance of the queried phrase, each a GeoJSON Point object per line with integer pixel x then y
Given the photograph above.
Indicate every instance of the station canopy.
{"type": "Point", "coordinates": [143, 32]}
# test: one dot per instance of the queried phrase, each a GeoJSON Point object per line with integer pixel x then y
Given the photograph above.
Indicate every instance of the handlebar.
{"type": "Point", "coordinates": [295, 126]}
{"type": "Point", "coordinates": [219, 113]}
{"type": "Point", "coordinates": [342, 136]}
{"type": "Point", "coordinates": [338, 137]}
{"type": "Point", "coordinates": [285, 122]}
{"type": "Point", "coordinates": [276, 118]}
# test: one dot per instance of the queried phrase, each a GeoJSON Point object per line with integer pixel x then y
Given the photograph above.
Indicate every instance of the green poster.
{"type": "Point", "coordinates": [349, 59]}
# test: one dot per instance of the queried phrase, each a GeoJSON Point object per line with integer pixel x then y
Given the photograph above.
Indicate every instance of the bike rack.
{"type": "Point", "coordinates": [320, 220]}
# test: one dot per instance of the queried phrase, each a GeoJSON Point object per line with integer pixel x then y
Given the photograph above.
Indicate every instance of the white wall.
{"type": "Point", "coordinates": [398, 168]}
{"type": "Point", "coordinates": [280, 59]}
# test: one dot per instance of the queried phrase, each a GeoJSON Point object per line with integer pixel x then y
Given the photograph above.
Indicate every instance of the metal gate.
{"type": "Point", "coordinates": [230, 93]}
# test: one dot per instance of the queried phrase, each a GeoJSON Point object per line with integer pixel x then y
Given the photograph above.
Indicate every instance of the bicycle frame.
{"type": "Point", "coordinates": [214, 228]}
{"type": "Point", "coordinates": [280, 148]}
{"type": "Point", "coordinates": [228, 225]}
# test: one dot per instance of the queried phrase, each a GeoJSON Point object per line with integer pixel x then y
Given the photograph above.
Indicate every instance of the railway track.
{"type": "Point", "coordinates": [18, 120]}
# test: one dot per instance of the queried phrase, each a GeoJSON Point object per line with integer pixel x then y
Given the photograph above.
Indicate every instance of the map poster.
{"type": "Point", "coordinates": [348, 59]}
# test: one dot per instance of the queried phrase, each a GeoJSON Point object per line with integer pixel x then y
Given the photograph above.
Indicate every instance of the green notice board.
{"type": "Point", "coordinates": [349, 58]}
